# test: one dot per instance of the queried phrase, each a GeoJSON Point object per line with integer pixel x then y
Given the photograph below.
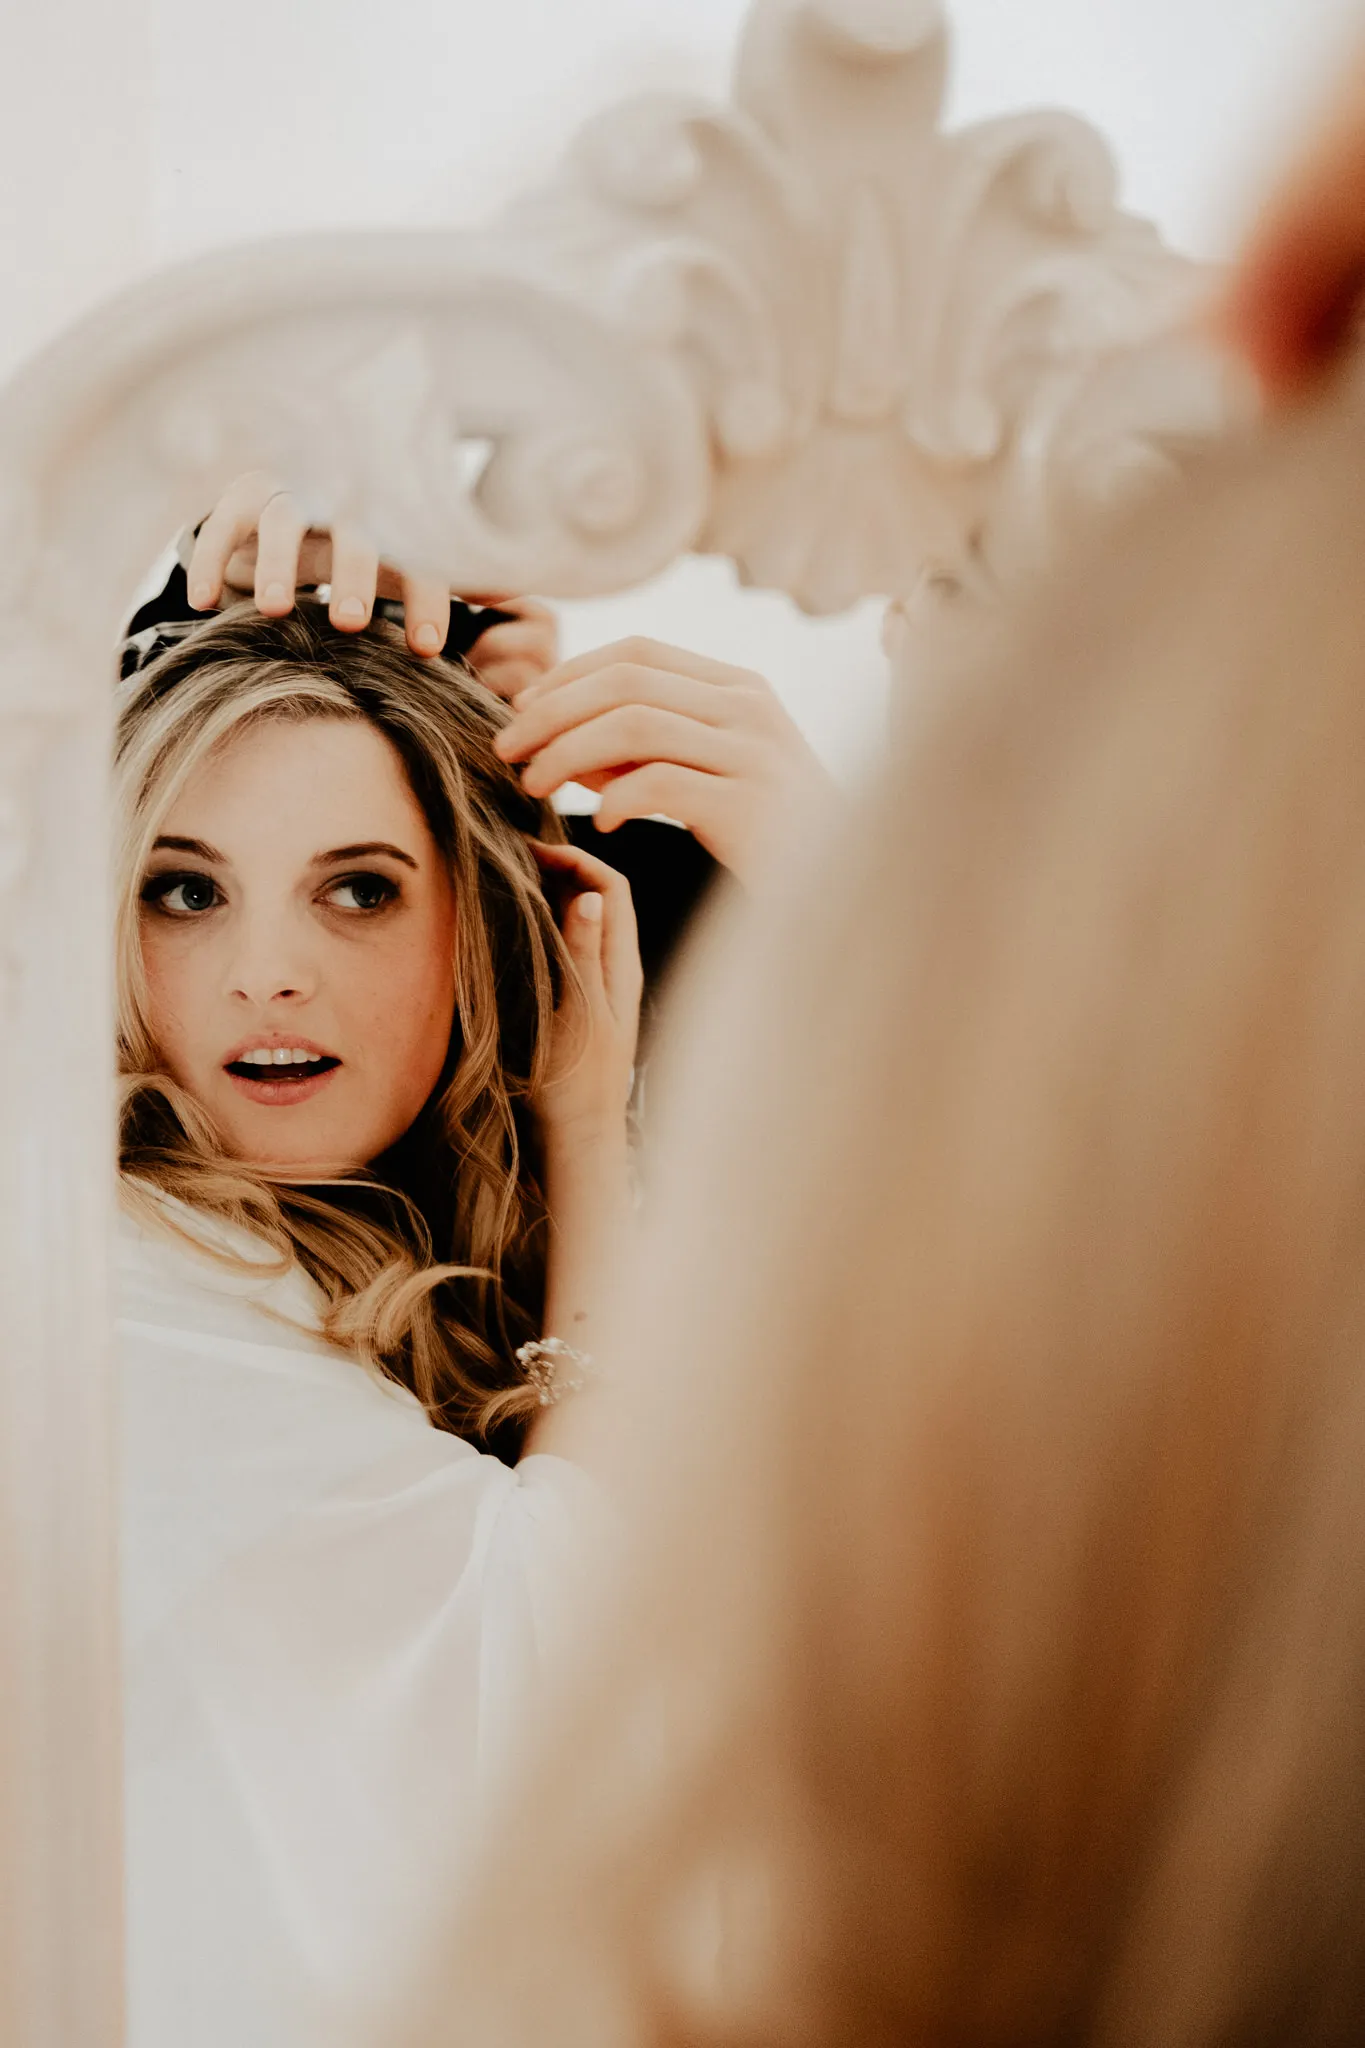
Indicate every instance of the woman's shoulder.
{"type": "Point", "coordinates": [245, 1434]}
{"type": "Point", "coordinates": [236, 1412]}
{"type": "Point", "coordinates": [177, 1266]}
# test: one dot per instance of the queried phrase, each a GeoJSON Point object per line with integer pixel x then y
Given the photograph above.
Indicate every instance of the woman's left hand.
{"type": "Point", "coordinates": [660, 730]}
{"type": "Point", "coordinates": [583, 1095]}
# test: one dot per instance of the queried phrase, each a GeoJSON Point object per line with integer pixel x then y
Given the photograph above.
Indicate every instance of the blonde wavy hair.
{"type": "Point", "coordinates": [431, 1264]}
{"type": "Point", "coordinates": [995, 1675]}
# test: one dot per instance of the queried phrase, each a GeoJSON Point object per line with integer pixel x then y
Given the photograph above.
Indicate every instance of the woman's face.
{"type": "Point", "coordinates": [298, 927]}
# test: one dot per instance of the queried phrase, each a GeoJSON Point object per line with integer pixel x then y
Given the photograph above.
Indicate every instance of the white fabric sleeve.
{"type": "Point", "coordinates": [336, 1617]}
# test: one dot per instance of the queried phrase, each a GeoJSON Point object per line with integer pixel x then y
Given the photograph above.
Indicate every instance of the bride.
{"type": "Point", "coordinates": [373, 1147]}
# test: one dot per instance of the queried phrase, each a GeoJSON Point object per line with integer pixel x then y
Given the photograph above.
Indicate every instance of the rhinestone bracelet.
{"type": "Point", "coordinates": [554, 1368]}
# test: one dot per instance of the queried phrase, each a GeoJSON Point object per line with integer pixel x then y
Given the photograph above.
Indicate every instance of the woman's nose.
{"type": "Point", "coordinates": [271, 963]}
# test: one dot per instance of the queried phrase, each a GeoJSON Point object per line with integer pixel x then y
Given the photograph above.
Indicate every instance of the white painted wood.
{"type": "Point", "coordinates": [805, 330]}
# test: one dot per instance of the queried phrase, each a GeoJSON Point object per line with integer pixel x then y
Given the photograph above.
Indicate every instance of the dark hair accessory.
{"type": "Point", "coordinates": [164, 620]}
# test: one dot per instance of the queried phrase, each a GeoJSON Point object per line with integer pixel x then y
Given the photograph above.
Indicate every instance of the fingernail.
{"type": "Point", "coordinates": [590, 908]}
{"type": "Point", "coordinates": [275, 593]}
{"type": "Point", "coordinates": [201, 596]}
{"type": "Point", "coordinates": [352, 610]}
{"type": "Point", "coordinates": [426, 640]}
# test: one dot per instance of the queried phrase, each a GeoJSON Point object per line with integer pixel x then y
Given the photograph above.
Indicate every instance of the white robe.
{"type": "Point", "coordinates": [333, 1618]}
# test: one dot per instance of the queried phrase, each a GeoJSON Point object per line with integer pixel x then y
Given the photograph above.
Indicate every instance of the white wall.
{"type": "Point", "coordinates": [77, 161]}
{"type": "Point", "coordinates": [274, 114]}
{"type": "Point", "coordinates": [1200, 98]}
{"type": "Point", "coordinates": [133, 132]}
{"type": "Point", "coordinates": [136, 131]}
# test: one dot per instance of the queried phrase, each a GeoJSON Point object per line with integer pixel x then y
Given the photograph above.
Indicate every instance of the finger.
{"type": "Point", "coordinates": [704, 803]}
{"type": "Point", "coordinates": [506, 679]}
{"type": "Point", "coordinates": [509, 659]}
{"type": "Point", "coordinates": [531, 611]}
{"type": "Point", "coordinates": [522, 655]}
{"type": "Point", "coordinates": [629, 737]}
{"type": "Point", "coordinates": [621, 971]}
{"type": "Point", "coordinates": [522, 640]}
{"type": "Point", "coordinates": [426, 614]}
{"type": "Point", "coordinates": [545, 716]}
{"type": "Point", "coordinates": [315, 559]}
{"type": "Point", "coordinates": [314, 566]}
{"type": "Point", "coordinates": [354, 579]}
{"type": "Point", "coordinates": [240, 573]}
{"type": "Point", "coordinates": [230, 524]}
{"type": "Point", "coordinates": [279, 537]}
{"type": "Point", "coordinates": [540, 628]}
{"type": "Point", "coordinates": [586, 870]}
{"type": "Point", "coordinates": [581, 926]}
{"type": "Point", "coordinates": [595, 781]}
{"type": "Point", "coordinates": [656, 654]}
{"type": "Point", "coordinates": [525, 640]}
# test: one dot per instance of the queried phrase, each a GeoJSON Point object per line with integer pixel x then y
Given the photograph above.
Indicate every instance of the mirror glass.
{"type": "Point", "coordinates": [343, 983]}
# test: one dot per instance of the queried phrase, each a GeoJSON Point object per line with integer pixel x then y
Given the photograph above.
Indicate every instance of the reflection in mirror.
{"type": "Point", "coordinates": [378, 1012]}
{"type": "Point", "coordinates": [375, 1059]}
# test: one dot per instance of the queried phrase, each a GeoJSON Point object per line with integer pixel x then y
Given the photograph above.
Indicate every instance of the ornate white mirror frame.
{"type": "Point", "coordinates": [807, 329]}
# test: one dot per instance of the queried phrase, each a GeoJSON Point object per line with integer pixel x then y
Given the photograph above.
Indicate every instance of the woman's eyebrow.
{"type": "Point", "coordinates": [371, 846]}
{"type": "Point", "coordinates": [197, 847]}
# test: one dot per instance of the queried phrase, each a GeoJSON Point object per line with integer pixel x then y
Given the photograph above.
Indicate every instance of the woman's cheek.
{"type": "Point", "coordinates": [173, 976]}
{"type": "Point", "coordinates": [160, 986]}
{"type": "Point", "coordinates": [417, 995]}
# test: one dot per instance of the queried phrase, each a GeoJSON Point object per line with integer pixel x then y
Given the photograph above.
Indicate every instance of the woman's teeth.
{"type": "Point", "coordinates": [281, 1063]}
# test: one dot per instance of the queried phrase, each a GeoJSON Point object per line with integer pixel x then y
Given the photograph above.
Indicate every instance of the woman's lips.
{"type": "Point", "coordinates": [275, 1092]}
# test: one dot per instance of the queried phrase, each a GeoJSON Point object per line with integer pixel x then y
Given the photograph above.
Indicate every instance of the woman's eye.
{"type": "Point", "coordinates": [362, 892]}
{"type": "Point", "coordinates": [181, 895]}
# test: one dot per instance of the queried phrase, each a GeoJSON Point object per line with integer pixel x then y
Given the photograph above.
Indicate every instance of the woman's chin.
{"type": "Point", "coordinates": [306, 1135]}
{"type": "Point", "coordinates": [321, 1153]}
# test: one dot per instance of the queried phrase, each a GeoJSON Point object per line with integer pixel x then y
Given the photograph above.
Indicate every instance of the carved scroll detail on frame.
{"type": "Point", "coordinates": [921, 357]}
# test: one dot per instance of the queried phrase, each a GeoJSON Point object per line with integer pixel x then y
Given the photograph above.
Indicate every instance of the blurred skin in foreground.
{"type": "Point", "coordinates": [1293, 302]}
{"type": "Point", "coordinates": [988, 1665]}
